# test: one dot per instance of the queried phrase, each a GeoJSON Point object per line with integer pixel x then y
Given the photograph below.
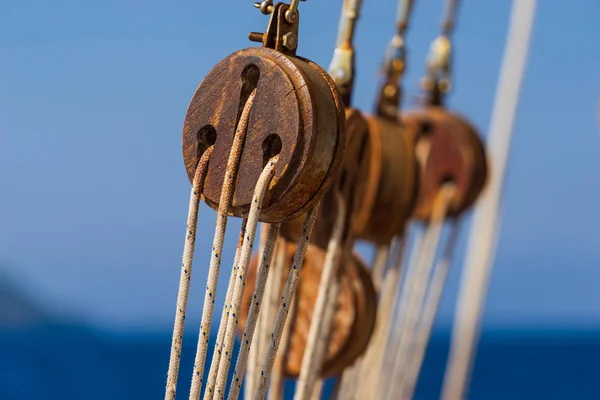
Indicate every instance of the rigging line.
{"type": "Point", "coordinates": [406, 383]}
{"type": "Point", "coordinates": [342, 66]}
{"type": "Point", "coordinates": [415, 290]}
{"type": "Point", "coordinates": [286, 299]}
{"type": "Point", "coordinates": [217, 351]}
{"type": "Point", "coordinates": [347, 26]}
{"type": "Point", "coordinates": [310, 360]}
{"type": "Point", "coordinates": [253, 315]}
{"type": "Point", "coordinates": [186, 274]}
{"type": "Point", "coordinates": [323, 342]}
{"type": "Point", "coordinates": [396, 55]}
{"type": "Point", "coordinates": [483, 236]}
{"type": "Point", "coordinates": [382, 365]}
{"type": "Point", "coordinates": [382, 255]}
{"type": "Point", "coordinates": [403, 16]}
{"type": "Point", "coordinates": [233, 320]}
{"type": "Point", "coordinates": [317, 390]}
{"type": "Point", "coordinates": [346, 384]}
{"type": "Point", "coordinates": [371, 365]}
{"type": "Point", "coordinates": [252, 356]}
{"type": "Point", "coordinates": [394, 65]}
{"type": "Point", "coordinates": [450, 13]}
{"type": "Point", "coordinates": [215, 257]}
{"type": "Point", "coordinates": [277, 388]}
{"type": "Point", "coordinates": [265, 316]}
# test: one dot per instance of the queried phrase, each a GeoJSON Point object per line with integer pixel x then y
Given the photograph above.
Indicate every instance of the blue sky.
{"type": "Point", "coordinates": [94, 193]}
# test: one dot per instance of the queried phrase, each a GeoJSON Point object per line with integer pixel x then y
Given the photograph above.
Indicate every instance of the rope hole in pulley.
{"type": "Point", "coordinates": [271, 147]}
{"type": "Point", "coordinates": [206, 137]}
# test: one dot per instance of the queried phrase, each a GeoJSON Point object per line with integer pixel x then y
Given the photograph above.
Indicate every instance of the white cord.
{"type": "Point", "coordinates": [215, 257]}
{"type": "Point", "coordinates": [186, 274]}
{"type": "Point", "coordinates": [286, 299]}
{"type": "Point", "coordinates": [484, 228]}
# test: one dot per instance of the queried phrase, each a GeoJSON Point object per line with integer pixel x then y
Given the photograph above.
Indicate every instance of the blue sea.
{"type": "Point", "coordinates": [62, 362]}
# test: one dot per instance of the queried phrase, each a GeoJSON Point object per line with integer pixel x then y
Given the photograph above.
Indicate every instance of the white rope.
{"type": "Point", "coordinates": [354, 377]}
{"type": "Point", "coordinates": [215, 257]}
{"type": "Point", "coordinates": [186, 274]}
{"type": "Point", "coordinates": [432, 301]}
{"type": "Point", "coordinates": [218, 350]}
{"type": "Point", "coordinates": [260, 343]}
{"type": "Point", "coordinates": [415, 290]}
{"type": "Point", "coordinates": [382, 254]}
{"type": "Point", "coordinates": [259, 288]}
{"type": "Point", "coordinates": [286, 299]}
{"type": "Point", "coordinates": [309, 366]}
{"type": "Point", "coordinates": [358, 384]}
{"type": "Point", "coordinates": [277, 386]}
{"type": "Point", "coordinates": [323, 341]}
{"type": "Point", "coordinates": [373, 366]}
{"type": "Point", "coordinates": [317, 390]}
{"type": "Point", "coordinates": [484, 228]}
{"type": "Point", "coordinates": [240, 280]}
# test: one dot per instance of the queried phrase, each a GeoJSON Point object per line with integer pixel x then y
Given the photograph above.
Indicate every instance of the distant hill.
{"type": "Point", "coordinates": [17, 308]}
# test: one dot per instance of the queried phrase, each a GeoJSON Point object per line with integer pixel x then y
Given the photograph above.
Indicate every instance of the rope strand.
{"type": "Point", "coordinates": [240, 281]}
{"type": "Point", "coordinates": [415, 290]}
{"type": "Point", "coordinates": [215, 258]}
{"type": "Point", "coordinates": [310, 360]}
{"type": "Point", "coordinates": [186, 274]}
{"type": "Point", "coordinates": [218, 350]}
{"type": "Point", "coordinates": [484, 228]}
{"type": "Point", "coordinates": [277, 386]}
{"type": "Point", "coordinates": [263, 319]}
{"type": "Point", "coordinates": [259, 288]}
{"type": "Point", "coordinates": [432, 301]}
{"type": "Point", "coordinates": [287, 297]}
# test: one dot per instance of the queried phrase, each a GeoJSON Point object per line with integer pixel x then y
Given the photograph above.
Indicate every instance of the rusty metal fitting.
{"type": "Point", "coordinates": [449, 149]}
{"type": "Point", "coordinates": [290, 41]}
{"type": "Point", "coordinates": [297, 113]}
{"type": "Point", "coordinates": [354, 317]}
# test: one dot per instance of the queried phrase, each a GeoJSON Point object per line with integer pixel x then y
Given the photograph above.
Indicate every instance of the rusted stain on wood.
{"type": "Point", "coordinates": [449, 149]}
{"type": "Point", "coordinates": [295, 102]}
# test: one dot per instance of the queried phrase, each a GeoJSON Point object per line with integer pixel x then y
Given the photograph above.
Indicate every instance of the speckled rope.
{"type": "Point", "coordinates": [416, 288]}
{"type": "Point", "coordinates": [322, 343]}
{"type": "Point", "coordinates": [186, 274]}
{"type": "Point", "coordinates": [389, 341]}
{"type": "Point", "coordinates": [276, 388]}
{"type": "Point", "coordinates": [215, 257]}
{"type": "Point", "coordinates": [240, 281]}
{"type": "Point", "coordinates": [330, 266]}
{"type": "Point", "coordinates": [286, 298]}
{"type": "Point", "coordinates": [261, 325]}
{"type": "Point", "coordinates": [371, 368]}
{"type": "Point", "coordinates": [259, 288]}
{"type": "Point", "coordinates": [214, 365]}
{"type": "Point", "coordinates": [351, 377]}
{"type": "Point", "coordinates": [403, 387]}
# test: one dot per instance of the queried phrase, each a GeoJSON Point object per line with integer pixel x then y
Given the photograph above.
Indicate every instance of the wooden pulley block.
{"type": "Point", "coordinates": [296, 113]}
{"type": "Point", "coordinates": [350, 183]}
{"type": "Point", "coordinates": [390, 191]}
{"type": "Point", "coordinates": [354, 316]}
{"type": "Point", "coordinates": [449, 149]}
